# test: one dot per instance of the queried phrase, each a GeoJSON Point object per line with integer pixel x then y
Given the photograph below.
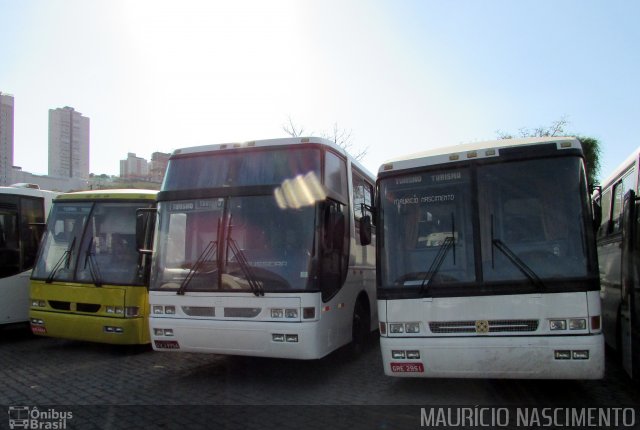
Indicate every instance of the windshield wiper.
{"type": "Point", "coordinates": [207, 255]}
{"type": "Point", "coordinates": [521, 265]}
{"type": "Point", "coordinates": [448, 243]}
{"type": "Point", "coordinates": [94, 270]}
{"type": "Point", "coordinates": [256, 286]}
{"type": "Point", "coordinates": [65, 257]}
{"type": "Point", "coordinates": [517, 261]}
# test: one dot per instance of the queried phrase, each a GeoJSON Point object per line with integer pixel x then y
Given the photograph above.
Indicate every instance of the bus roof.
{"type": "Point", "coordinates": [130, 194]}
{"type": "Point", "coordinates": [475, 150]}
{"type": "Point", "coordinates": [24, 191]}
{"type": "Point", "coordinates": [621, 168]}
{"type": "Point", "coordinates": [306, 140]}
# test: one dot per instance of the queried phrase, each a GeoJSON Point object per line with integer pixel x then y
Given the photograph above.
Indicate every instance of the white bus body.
{"type": "Point", "coordinates": [258, 251]}
{"type": "Point", "coordinates": [618, 253]}
{"type": "Point", "coordinates": [487, 265]}
{"type": "Point", "coordinates": [23, 212]}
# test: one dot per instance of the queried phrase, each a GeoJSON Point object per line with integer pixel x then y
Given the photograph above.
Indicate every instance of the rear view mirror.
{"type": "Point", "coordinates": [365, 230]}
{"type": "Point", "coordinates": [145, 223]}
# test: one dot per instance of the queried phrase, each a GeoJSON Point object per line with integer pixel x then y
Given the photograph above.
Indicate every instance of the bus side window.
{"type": "Point", "coordinates": [362, 201]}
{"type": "Point", "coordinates": [605, 203]}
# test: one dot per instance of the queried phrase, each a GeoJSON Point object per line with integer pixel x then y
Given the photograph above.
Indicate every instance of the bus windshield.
{"type": "Point", "coordinates": [518, 221]}
{"type": "Point", "coordinates": [244, 168]}
{"type": "Point", "coordinates": [226, 244]}
{"type": "Point", "coordinates": [91, 243]}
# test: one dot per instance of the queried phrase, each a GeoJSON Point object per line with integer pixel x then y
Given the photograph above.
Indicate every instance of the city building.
{"type": "Point", "coordinates": [6, 139]}
{"type": "Point", "coordinates": [158, 166]}
{"type": "Point", "coordinates": [134, 167]}
{"type": "Point", "coordinates": [68, 143]}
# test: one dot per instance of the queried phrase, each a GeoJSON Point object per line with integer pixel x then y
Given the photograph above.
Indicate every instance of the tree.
{"type": "Point", "coordinates": [337, 135]}
{"type": "Point", "coordinates": [590, 145]}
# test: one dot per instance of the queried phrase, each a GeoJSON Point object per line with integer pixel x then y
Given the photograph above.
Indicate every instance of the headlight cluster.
{"type": "Point", "coordinates": [403, 354]}
{"type": "Point", "coordinates": [35, 303]}
{"type": "Point", "coordinates": [128, 311]}
{"type": "Point", "coordinates": [409, 328]}
{"type": "Point", "coordinates": [571, 324]}
{"type": "Point", "coordinates": [289, 313]}
{"type": "Point", "coordinates": [281, 337]}
{"type": "Point", "coordinates": [163, 310]}
{"type": "Point", "coordinates": [163, 332]}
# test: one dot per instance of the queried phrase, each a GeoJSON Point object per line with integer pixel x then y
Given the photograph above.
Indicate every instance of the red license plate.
{"type": "Point", "coordinates": [38, 329]}
{"type": "Point", "coordinates": [407, 368]}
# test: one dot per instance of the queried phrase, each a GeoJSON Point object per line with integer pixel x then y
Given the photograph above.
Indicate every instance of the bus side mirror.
{"type": "Point", "coordinates": [365, 230]}
{"type": "Point", "coordinates": [145, 222]}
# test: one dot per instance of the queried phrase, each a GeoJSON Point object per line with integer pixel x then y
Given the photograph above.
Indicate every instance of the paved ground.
{"type": "Point", "coordinates": [123, 387]}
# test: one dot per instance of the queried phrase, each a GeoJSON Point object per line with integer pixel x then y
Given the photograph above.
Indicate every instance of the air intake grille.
{"type": "Point", "coordinates": [495, 326]}
{"type": "Point", "coordinates": [199, 311]}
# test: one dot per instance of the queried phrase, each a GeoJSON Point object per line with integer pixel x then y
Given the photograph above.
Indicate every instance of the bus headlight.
{"type": "Point", "coordinates": [396, 328]}
{"type": "Point", "coordinates": [557, 325]}
{"type": "Point", "coordinates": [577, 324]}
{"type": "Point", "coordinates": [38, 303]}
{"type": "Point", "coordinates": [155, 309]}
{"type": "Point", "coordinates": [412, 327]}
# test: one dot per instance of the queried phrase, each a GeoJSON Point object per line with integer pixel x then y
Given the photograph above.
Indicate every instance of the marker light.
{"type": "Point", "coordinates": [309, 313]}
{"type": "Point", "coordinates": [383, 328]}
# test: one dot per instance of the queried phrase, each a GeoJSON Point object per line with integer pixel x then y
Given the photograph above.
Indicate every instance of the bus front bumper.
{"type": "Point", "coordinates": [543, 357]}
{"type": "Point", "coordinates": [297, 340]}
{"type": "Point", "coordinates": [120, 331]}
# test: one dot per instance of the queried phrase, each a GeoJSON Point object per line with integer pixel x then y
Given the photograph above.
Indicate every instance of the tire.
{"type": "Point", "coordinates": [361, 326]}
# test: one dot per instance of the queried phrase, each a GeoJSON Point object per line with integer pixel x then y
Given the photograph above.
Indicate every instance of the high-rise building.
{"type": "Point", "coordinates": [134, 167]}
{"type": "Point", "coordinates": [6, 139]}
{"type": "Point", "coordinates": [68, 143]}
{"type": "Point", "coordinates": [158, 165]}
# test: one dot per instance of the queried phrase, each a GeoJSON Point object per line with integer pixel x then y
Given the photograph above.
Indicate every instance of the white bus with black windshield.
{"type": "Point", "coordinates": [487, 264]}
{"type": "Point", "coordinates": [263, 248]}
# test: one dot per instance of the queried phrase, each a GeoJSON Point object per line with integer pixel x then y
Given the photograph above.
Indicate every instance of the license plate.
{"type": "Point", "coordinates": [167, 344]}
{"type": "Point", "coordinates": [38, 329]}
{"type": "Point", "coordinates": [407, 368]}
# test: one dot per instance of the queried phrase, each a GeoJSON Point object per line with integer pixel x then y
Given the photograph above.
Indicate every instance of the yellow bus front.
{"type": "Point", "coordinates": [90, 282]}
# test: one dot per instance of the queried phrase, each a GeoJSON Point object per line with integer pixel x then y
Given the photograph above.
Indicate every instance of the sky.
{"type": "Point", "coordinates": [400, 76]}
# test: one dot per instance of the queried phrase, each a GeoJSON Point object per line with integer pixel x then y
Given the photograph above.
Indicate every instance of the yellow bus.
{"type": "Point", "coordinates": [90, 282]}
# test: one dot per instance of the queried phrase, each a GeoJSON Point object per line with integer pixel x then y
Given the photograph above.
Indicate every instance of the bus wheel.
{"type": "Point", "coordinates": [361, 327]}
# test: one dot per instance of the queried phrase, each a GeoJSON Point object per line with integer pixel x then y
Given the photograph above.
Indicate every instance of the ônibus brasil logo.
{"type": "Point", "coordinates": [32, 418]}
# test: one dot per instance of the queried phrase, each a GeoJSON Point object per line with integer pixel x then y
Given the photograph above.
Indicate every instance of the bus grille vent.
{"type": "Point", "coordinates": [61, 306]}
{"type": "Point", "coordinates": [241, 312]}
{"type": "Point", "coordinates": [199, 311]}
{"type": "Point", "coordinates": [495, 326]}
{"type": "Point", "coordinates": [87, 307]}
